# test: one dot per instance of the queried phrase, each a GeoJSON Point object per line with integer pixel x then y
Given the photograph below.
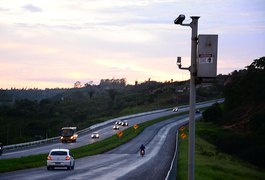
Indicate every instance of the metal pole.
{"type": "Point", "coordinates": [193, 71]}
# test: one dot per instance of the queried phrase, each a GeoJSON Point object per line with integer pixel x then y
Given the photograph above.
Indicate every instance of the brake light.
{"type": "Point", "coordinates": [67, 158]}
{"type": "Point", "coordinates": [49, 158]}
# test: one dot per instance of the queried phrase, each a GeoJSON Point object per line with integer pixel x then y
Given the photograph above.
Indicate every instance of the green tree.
{"type": "Point", "coordinates": [213, 114]}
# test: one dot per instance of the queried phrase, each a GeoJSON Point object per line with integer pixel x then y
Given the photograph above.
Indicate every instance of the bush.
{"type": "Point", "coordinates": [257, 123]}
{"type": "Point", "coordinates": [213, 114]}
{"type": "Point", "coordinates": [244, 146]}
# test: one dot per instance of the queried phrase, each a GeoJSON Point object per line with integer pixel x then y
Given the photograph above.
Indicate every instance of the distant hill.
{"type": "Point", "coordinates": [245, 97]}
{"type": "Point", "coordinates": [30, 94]}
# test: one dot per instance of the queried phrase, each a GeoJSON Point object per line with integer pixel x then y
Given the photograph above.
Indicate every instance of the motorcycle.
{"type": "Point", "coordinates": [142, 152]}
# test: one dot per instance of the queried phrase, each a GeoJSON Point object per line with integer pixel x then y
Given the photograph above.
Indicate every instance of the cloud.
{"type": "Point", "coordinates": [3, 9]}
{"type": "Point", "coordinates": [137, 39]}
{"type": "Point", "coordinates": [32, 8]}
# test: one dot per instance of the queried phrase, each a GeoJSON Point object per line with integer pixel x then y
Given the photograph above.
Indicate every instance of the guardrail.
{"type": "Point", "coordinates": [32, 143]}
{"type": "Point", "coordinates": [43, 141]}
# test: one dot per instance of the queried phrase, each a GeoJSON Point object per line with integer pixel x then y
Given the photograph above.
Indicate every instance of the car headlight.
{"type": "Point", "coordinates": [0, 148]}
{"type": "Point", "coordinates": [61, 137]}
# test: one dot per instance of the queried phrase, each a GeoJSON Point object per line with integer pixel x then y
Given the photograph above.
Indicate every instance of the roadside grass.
{"type": "Point", "coordinates": [7, 165]}
{"type": "Point", "coordinates": [212, 164]}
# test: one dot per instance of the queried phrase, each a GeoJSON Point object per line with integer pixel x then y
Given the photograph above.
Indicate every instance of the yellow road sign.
{"type": "Point", "coordinates": [183, 135]}
{"type": "Point", "coordinates": [136, 126]}
{"type": "Point", "coordinates": [120, 133]}
{"type": "Point", "coordinates": [182, 129]}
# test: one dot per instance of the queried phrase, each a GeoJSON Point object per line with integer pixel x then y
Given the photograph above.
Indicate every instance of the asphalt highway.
{"type": "Point", "coordinates": [105, 131]}
{"type": "Point", "coordinates": [124, 162]}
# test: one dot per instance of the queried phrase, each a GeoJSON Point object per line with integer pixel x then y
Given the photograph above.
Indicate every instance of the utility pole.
{"type": "Point", "coordinates": [193, 75]}
{"type": "Point", "coordinates": [203, 69]}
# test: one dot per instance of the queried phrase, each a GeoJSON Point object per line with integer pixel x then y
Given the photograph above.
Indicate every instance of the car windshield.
{"type": "Point", "coordinates": [59, 153]}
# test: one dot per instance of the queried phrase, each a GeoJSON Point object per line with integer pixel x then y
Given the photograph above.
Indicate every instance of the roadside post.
{"type": "Point", "coordinates": [206, 69]}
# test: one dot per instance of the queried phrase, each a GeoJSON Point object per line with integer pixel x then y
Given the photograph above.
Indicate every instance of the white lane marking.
{"type": "Point", "coordinates": [173, 159]}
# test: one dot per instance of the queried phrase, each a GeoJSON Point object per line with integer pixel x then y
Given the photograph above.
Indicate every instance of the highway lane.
{"type": "Point", "coordinates": [123, 162]}
{"type": "Point", "coordinates": [105, 132]}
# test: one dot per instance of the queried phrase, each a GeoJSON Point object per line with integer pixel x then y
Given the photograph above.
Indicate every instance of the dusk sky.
{"type": "Point", "coordinates": [54, 43]}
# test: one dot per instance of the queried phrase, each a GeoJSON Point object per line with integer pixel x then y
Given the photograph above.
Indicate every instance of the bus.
{"type": "Point", "coordinates": [68, 134]}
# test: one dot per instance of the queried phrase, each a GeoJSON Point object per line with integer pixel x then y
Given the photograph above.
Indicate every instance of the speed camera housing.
{"type": "Point", "coordinates": [179, 19]}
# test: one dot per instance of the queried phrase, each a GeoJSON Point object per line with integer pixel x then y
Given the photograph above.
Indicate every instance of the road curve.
{"type": "Point", "coordinates": [123, 162]}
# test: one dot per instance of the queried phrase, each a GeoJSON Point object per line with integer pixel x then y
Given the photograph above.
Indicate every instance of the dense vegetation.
{"type": "Point", "coordinates": [210, 162]}
{"type": "Point", "coordinates": [26, 120]}
{"type": "Point", "coordinates": [242, 115]}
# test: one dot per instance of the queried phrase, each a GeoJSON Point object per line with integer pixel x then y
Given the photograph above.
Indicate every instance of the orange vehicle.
{"type": "Point", "coordinates": [68, 134]}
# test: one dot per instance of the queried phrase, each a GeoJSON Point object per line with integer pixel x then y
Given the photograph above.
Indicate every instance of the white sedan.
{"type": "Point", "coordinates": [124, 123]}
{"type": "Point", "coordinates": [60, 158]}
{"type": "Point", "coordinates": [95, 135]}
{"type": "Point", "coordinates": [116, 127]}
{"type": "Point", "coordinates": [175, 109]}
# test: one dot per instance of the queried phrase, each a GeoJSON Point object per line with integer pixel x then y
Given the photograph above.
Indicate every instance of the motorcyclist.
{"type": "Point", "coordinates": [142, 148]}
